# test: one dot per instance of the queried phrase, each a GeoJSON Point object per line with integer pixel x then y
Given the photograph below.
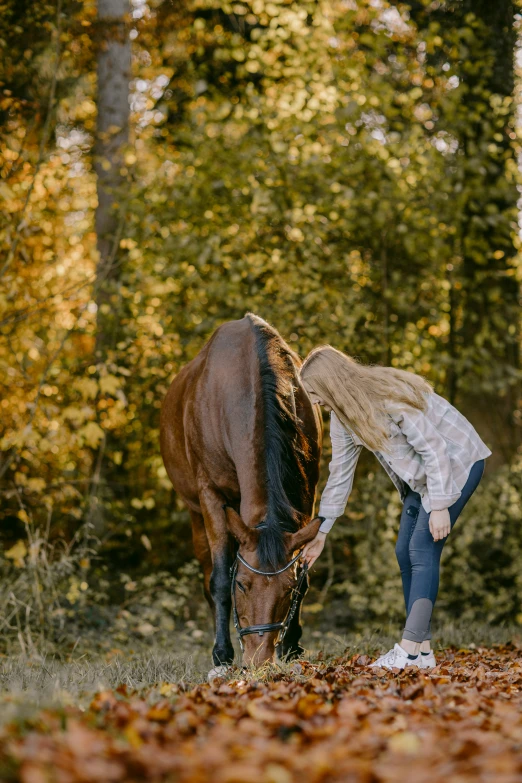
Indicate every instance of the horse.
{"type": "Point", "coordinates": [241, 443]}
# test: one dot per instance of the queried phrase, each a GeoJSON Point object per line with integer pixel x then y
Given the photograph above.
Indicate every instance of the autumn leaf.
{"type": "Point", "coordinates": [91, 433]}
{"type": "Point", "coordinates": [339, 721]}
{"type": "Point", "coordinates": [17, 553]}
{"type": "Point", "coordinates": [109, 384]}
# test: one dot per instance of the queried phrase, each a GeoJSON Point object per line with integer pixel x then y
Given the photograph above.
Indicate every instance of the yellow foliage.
{"type": "Point", "coordinates": [17, 553]}
{"type": "Point", "coordinates": [91, 434]}
{"type": "Point", "coordinates": [109, 384]}
{"type": "Point", "coordinates": [88, 387]}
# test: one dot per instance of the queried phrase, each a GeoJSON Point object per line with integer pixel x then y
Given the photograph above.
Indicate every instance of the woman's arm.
{"type": "Point", "coordinates": [345, 454]}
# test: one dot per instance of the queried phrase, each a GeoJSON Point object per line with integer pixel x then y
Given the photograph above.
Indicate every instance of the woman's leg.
{"type": "Point", "coordinates": [425, 556]}
{"type": "Point", "coordinates": [409, 514]}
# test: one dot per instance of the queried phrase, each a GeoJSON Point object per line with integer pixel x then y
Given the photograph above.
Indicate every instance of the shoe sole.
{"type": "Point", "coordinates": [399, 668]}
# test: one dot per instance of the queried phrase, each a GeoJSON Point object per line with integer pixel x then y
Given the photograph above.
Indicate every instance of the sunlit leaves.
{"type": "Point", "coordinates": [305, 721]}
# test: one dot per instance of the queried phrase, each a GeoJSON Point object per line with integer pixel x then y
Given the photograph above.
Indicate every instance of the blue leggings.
{"type": "Point", "coordinates": [419, 557]}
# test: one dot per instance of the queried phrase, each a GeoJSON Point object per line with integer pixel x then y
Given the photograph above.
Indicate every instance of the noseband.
{"type": "Point", "coordinates": [282, 626]}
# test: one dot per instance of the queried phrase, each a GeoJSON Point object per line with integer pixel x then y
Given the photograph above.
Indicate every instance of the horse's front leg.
{"type": "Point", "coordinates": [223, 651]}
{"type": "Point", "coordinates": [221, 549]}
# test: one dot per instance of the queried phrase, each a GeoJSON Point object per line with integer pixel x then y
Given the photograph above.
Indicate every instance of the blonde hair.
{"type": "Point", "coordinates": [359, 393]}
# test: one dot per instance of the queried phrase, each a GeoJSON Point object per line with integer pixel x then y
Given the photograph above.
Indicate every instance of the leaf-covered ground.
{"type": "Point", "coordinates": [312, 723]}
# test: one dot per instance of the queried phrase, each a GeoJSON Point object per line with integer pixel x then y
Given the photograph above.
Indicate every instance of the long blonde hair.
{"type": "Point", "coordinates": [358, 393]}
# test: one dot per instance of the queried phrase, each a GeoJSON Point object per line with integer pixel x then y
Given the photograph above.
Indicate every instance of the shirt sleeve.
{"type": "Point", "coordinates": [345, 454]}
{"type": "Point", "coordinates": [424, 438]}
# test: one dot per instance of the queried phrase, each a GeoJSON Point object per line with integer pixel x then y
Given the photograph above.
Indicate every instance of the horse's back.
{"type": "Point", "coordinates": [208, 397]}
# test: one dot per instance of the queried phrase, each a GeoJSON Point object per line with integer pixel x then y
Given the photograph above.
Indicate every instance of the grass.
{"type": "Point", "coordinates": [450, 634]}
{"type": "Point", "coordinates": [29, 683]}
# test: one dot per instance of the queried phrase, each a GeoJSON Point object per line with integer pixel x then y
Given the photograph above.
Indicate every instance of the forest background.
{"type": "Point", "coordinates": [346, 169]}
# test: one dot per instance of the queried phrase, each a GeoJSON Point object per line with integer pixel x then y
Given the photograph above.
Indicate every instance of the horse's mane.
{"type": "Point", "coordinates": [286, 446]}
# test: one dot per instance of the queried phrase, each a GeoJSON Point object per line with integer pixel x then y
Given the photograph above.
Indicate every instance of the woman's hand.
{"type": "Point", "coordinates": [313, 549]}
{"type": "Point", "coordinates": [440, 524]}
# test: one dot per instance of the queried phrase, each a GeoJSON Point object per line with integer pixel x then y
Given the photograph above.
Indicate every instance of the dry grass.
{"type": "Point", "coordinates": [28, 683]}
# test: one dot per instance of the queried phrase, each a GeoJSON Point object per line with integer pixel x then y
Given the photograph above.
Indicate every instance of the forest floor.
{"type": "Point", "coordinates": [151, 716]}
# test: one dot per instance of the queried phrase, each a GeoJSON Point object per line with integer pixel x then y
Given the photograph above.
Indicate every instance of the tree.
{"type": "Point", "coordinates": [114, 64]}
{"type": "Point", "coordinates": [489, 332]}
{"type": "Point", "coordinates": [473, 42]}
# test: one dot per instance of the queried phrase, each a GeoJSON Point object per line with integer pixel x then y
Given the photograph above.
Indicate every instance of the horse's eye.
{"type": "Point", "coordinates": [240, 586]}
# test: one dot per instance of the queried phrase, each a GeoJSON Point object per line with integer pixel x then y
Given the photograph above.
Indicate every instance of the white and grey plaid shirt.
{"type": "Point", "coordinates": [431, 452]}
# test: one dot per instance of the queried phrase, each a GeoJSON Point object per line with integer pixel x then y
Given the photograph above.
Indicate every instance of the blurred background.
{"type": "Point", "coordinates": [346, 169]}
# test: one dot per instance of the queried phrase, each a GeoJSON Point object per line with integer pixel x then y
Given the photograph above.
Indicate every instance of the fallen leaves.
{"type": "Point", "coordinates": [316, 723]}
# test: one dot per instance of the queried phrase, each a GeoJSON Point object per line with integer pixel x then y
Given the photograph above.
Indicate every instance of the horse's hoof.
{"type": "Point", "coordinates": [217, 672]}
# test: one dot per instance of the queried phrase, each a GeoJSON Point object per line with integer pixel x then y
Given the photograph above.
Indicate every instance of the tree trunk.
{"type": "Point", "coordinates": [114, 67]}
{"type": "Point", "coordinates": [386, 348]}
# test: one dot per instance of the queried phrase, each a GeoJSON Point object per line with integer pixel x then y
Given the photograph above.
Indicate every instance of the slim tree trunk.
{"type": "Point", "coordinates": [386, 348]}
{"type": "Point", "coordinates": [114, 66]}
{"type": "Point", "coordinates": [451, 382]}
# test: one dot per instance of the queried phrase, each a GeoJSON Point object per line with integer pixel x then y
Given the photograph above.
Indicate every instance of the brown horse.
{"type": "Point", "coordinates": [241, 443]}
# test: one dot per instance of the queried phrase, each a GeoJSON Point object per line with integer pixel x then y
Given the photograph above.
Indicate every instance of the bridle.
{"type": "Point", "coordinates": [282, 626]}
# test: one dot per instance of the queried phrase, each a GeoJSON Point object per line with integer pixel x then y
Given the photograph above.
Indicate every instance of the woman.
{"type": "Point", "coordinates": [432, 454]}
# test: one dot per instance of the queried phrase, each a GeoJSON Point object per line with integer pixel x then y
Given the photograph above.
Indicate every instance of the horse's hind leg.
{"type": "Point", "coordinates": [203, 554]}
{"type": "Point", "coordinates": [219, 578]}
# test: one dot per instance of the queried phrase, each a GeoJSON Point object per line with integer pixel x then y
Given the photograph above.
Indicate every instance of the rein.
{"type": "Point", "coordinates": [282, 626]}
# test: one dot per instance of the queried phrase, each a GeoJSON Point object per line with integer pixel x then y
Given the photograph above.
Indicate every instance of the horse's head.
{"type": "Point", "coordinates": [266, 598]}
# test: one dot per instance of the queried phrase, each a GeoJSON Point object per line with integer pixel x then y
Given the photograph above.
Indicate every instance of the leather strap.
{"type": "Point", "coordinates": [269, 573]}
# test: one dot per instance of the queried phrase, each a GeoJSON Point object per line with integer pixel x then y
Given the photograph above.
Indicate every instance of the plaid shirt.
{"type": "Point", "coordinates": [430, 452]}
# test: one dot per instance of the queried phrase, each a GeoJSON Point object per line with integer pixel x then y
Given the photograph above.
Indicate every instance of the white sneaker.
{"type": "Point", "coordinates": [396, 658]}
{"type": "Point", "coordinates": [427, 661]}
{"type": "Point", "coordinates": [217, 672]}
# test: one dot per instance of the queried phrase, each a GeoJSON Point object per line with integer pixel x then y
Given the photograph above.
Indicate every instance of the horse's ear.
{"type": "Point", "coordinates": [245, 536]}
{"type": "Point", "coordinates": [304, 535]}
